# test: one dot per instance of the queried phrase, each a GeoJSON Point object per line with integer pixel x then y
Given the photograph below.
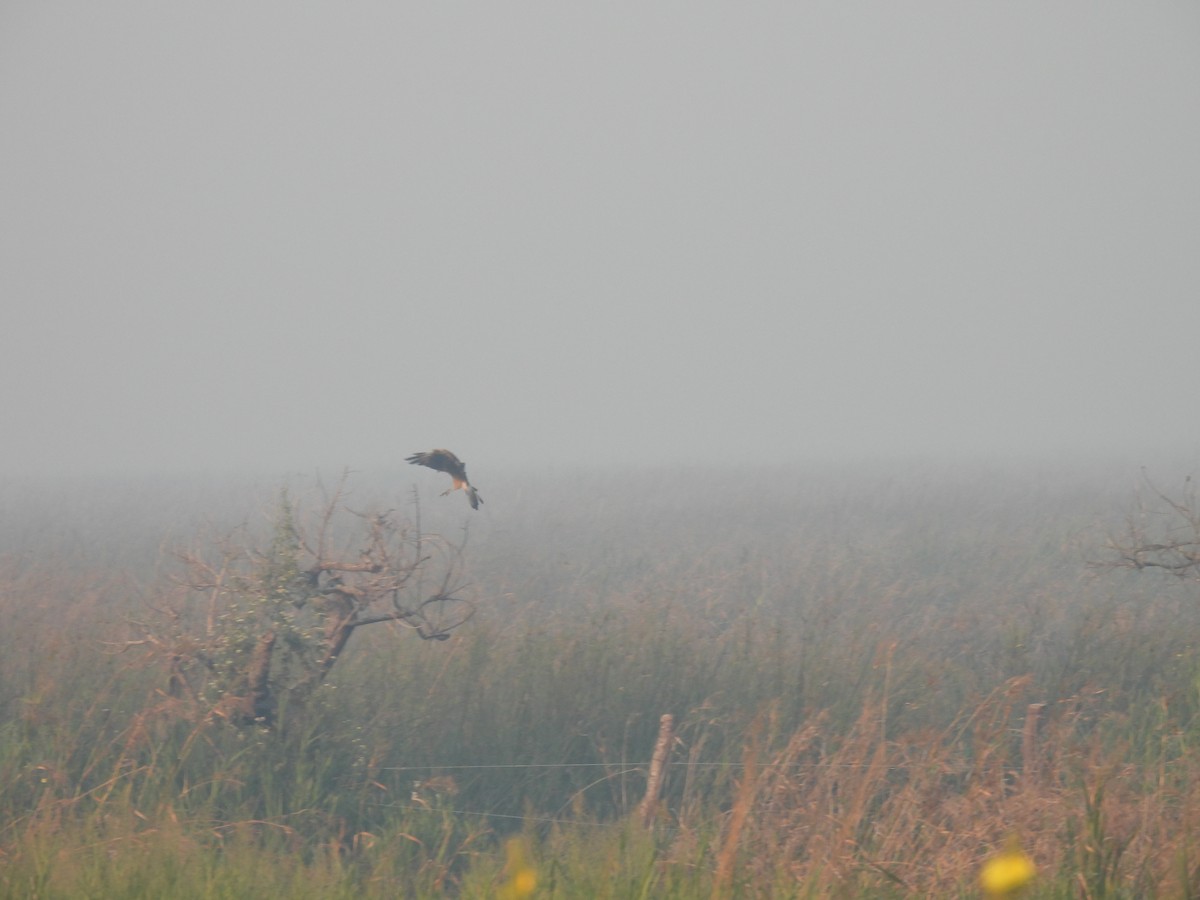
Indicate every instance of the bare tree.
{"type": "Point", "coordinates": [248, 625]}
{"type": "Point", "coordinates": [1163, 533]}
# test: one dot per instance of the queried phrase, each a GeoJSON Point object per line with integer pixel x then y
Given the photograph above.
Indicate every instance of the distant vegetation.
{"type": "Point", "coordinates": [878, 679]}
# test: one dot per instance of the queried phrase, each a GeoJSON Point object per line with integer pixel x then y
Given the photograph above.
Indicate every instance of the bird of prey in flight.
{"type": "Point", "coordinates": [445, 461]}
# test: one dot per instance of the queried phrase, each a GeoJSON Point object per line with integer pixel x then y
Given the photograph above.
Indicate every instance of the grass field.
{"type": "Point", "coordinates": [879, 675]}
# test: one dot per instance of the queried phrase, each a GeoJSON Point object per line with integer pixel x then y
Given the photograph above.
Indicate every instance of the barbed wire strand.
{"type": "Point", "coordinates": [543, 820]}
{"type": "Point", "coordinates": [631, 766]}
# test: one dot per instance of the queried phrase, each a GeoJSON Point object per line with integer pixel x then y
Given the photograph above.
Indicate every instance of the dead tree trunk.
{"type": "Point", "coordinates": [255, 703]}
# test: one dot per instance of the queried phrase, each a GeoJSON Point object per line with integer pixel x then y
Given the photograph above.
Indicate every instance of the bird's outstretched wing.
{"type": "Point", "coordinates": [442, 461]}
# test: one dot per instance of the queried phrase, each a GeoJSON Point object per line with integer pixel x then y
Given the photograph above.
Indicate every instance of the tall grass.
{"type": "Point", "coordinates": [849, 656]}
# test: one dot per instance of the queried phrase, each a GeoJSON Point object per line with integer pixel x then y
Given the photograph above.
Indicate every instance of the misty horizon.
{"type": "Point", "coordinates": [281, 238]}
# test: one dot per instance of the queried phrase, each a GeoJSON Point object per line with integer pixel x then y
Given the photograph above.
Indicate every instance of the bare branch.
{"type": "Point", "coordinates": [252, 620]}
{"type": "Point", "coordinates": [1164, 535]}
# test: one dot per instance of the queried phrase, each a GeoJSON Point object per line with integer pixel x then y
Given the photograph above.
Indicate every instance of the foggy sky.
{"type": "Point", "coordinates": [295, 234]}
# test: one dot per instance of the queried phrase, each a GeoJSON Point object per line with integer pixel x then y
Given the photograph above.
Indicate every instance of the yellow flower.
{"type": "Point", "coordinates": [522, 877]}
{"type": "Point", "coordinates": [1007, 872]}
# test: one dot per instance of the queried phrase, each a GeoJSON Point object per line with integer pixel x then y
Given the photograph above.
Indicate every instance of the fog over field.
{"type": "Point", "coordinates": [826, 370]}
{"type": "Point", "coordinates": [279, 237]}
{"type": "Point", "coordinates": [927, 657]}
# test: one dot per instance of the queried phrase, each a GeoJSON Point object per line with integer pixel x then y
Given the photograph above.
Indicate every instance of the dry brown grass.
{"type": "Point", "coordinates": [918, 813]}
{"type": "Point", "coordinates": [893, 642]}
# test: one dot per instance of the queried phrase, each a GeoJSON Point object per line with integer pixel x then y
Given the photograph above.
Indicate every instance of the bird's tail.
{"type": "Point", "coordinates": [473, 497]}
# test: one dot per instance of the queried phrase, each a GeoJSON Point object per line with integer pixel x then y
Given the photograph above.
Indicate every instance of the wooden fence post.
{"type": "Point", "coordinates": [658, 767]}
{"type": "Point", "coordinates": [1029, 733]}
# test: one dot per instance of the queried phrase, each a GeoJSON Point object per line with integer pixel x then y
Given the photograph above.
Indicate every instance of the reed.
{"type": "Point", "coordinates": [850, 662]}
